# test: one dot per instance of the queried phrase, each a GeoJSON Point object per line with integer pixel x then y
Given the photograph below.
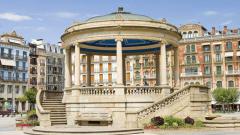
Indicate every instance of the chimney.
{"type": "Point", "coordinates": [213, 31]}
{"type": "Point", "coordinates": [225, 30]}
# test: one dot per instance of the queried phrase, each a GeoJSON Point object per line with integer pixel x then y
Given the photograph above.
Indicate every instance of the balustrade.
{"type": "Point", "coordinates": [163, 102]}
{"type": "Point", "coordinates": [129, 90]}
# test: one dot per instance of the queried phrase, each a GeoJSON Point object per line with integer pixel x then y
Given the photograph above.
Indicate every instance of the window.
{"type": "Point", "coordinates": [207, 58]}
{"type": "Point", "coordinates": [195, 34]}
{"type": "Point", "coordinates": [207, 70]}
{"type": "Point", "coordinates": [9, 89]}
{"type": "Point", "coordinates": [229, 58]}
{"type": "Point", "coordinates": [229, 46]}
{"type": "Point", "coordinates": [206, 48]}
{"type": "Point", "coordinates": [193, 59]}
{"type": "Point", "coordinates": [17, 52]}
{"type": "Point", "coordinates": [218, 57]}
{"type": "Point", "coordinates": [24, 54]}
{"type": "Point", "coordinates": [188, 59]}
{"type": "Point", "coordinates": [17, 64]}
{"type": "Point", "coordinates": [238, 44]}
{"type": "Point", "coordinates": [230, 68]}
{"type": "Point", "coordinates": [217, 47]}
{"type": "Point", "coordinates": [219, 84]}
{"type": "Point", "coordinates": [219, 70]}
{"type": "Point", "coordinates": [230, 83]}
{"type": "Point", "coordinates": [24, 89]}
{"type": "Point", "coordinates": [188, 48]}
{"type": "Point", "coordinates": [1, 88]}
{"type": "Point", "coordinates": [17, 89]}
{"type": "Point", "coordinates": [193, 48]}
{"type": "Point", "coordinates": [190, 35]}
{"type": "Point", "coordinates": [191, 70]}
{"type": "Point", "coordinates": [208, 84]}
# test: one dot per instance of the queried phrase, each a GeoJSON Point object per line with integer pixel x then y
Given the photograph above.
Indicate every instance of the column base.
{"type": "Point", "coordinates": [166, 89]}
{"type": "Point", "coordinates": [119, 89]}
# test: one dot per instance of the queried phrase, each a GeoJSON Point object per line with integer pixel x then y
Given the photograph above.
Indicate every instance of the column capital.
{"type": "Point", "coordinates": [163, 41]}
{"type": "Point", "coordinates": [118, 38]}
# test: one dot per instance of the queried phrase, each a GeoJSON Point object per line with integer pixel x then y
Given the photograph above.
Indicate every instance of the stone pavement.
{"type": "Point", "coordinates": [205, 131]}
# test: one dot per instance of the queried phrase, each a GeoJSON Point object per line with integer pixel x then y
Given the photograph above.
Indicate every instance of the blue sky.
{"type": "Point", "coordinates": [47, 19]}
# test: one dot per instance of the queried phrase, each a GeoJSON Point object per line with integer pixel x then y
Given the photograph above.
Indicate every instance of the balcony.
{"type": "Point", "coordinates": [233, 72]}
{"type": "Point", "coordinates": [7, 56]}
{"type": "Point", "coordinates": [137, 66]}
{"type": "Point", "coordinates": [24, 58]}
{"type": "Point", "coordinates": [191, 74]}
{"type": "Point", "coordinates": [13, 79]}
{"type": "Point", "coordinates": [22, 68]}
{"type": "Point", "coordinates": [219, 73]}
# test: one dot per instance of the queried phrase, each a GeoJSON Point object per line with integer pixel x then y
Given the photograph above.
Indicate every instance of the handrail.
{"type": "Point", "coordinates": [39, 98]}
{"type": "Point", "coordinates": [110, 87]}
{"type": "Point", "coordinates": [128, 90]}
{"type": "Point", "coordinates": [167, 98]}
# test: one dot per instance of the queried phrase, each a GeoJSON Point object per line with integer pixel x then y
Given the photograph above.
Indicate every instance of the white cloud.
{"type": "Point", "coordinates": [41, 28]}
{"type": "Point", "coordinates": [228, 22]}
{"type": "Point", "coordinates": [66, 14]}
{"type": "Point", "coordinates": [210, 13]}
{"type": "Point", "coordinates": [14, 17]}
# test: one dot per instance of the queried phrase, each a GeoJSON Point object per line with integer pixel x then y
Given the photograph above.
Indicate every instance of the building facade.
{"type": "Point", "coordinates": [46, 66]}
{"type": "Point", "coordinates": [13, 71]}
{"type": "Point", "coordinates": [209, 58]}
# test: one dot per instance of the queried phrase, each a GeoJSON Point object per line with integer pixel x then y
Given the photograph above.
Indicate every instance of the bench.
{"type": "Point", "coordinates": [94, 119]}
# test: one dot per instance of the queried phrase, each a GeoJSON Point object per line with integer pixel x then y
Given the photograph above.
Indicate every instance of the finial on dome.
{"type": "Point", "coordinates": [163, 20]}
{"type": "Point", "coordinates": [120, 9]}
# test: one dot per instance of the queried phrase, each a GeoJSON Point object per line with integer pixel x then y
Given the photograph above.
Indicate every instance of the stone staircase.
{"type": "Point", "coordinates": [50, 109]}
{"type": "Point", "coordinates": [57, 110]}
{"type": "Point", "coordinates": [189, 101]}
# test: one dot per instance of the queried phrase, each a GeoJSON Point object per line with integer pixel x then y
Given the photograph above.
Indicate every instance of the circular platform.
{"type": "Point", "coordinates": [83, 130]}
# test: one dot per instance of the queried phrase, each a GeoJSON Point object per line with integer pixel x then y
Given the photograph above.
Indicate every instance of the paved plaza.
{"type": "Point", "coordinates": [7, 127]}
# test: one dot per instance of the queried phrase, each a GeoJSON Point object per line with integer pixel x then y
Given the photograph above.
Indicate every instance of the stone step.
{"type": "Point", "coordinates": [58, 117]}
{"type": "Point", "coordinates": [52, 106]}
{"type": "Point", "coordinates": [57, 130]}
{"type": "Point", "coordinates": [52, 101]}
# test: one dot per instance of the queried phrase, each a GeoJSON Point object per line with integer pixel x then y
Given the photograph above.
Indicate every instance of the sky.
{"type": "Point", "coordinates": [47, 19]}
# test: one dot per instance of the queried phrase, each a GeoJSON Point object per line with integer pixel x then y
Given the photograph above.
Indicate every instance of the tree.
{"type": "Point", "coordinates": [225, 96]}
{"type": "Point", "coordinates": [30, 95]}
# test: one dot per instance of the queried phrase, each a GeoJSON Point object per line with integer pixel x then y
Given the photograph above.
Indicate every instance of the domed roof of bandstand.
{"type": "Point", "coordinates": [140, 33]}
{"type": "Point", "coordinates": [120, 15]}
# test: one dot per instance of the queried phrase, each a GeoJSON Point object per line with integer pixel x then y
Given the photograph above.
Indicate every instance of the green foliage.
{"type": "Point", "coordinates": [173, 122]}
{"type": "Point", "coordinates": [198, 124]}
{"type": "Point", "coordinates": [170, 120]}
{"type": "Point", "coordinates": [30, 95]}
{"type": "Point", "coordinates": [32, 115]}
{"type": "Point", "coordinates": [22, 99]}
{"type": "Point", "coordinates": [226, 96]}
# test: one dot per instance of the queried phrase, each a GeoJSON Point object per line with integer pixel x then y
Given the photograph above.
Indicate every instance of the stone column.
{"type": "Point", "coordinates": [163, 65]}
{"type": "Point", "coordinates": [157, 62]}
{"type": "Point", "coordinates": [124, 70]}
{"type": "Point", "coordinates": [176, 69]}
{"type": "Point", "coordinates": [163, 70]}
{"type": "Point", "coordinates": [120, 90]}
{"type": "Point", "coordinates": [77, 66]}
{"type": "Point", "coordinates": [119, 61]}
{"type": "Point", "coordinates": [68, 68]}
{"type": "Point", "coordinates": [77, 71]}
{"type": "Point", "coordinates": [89, 70]}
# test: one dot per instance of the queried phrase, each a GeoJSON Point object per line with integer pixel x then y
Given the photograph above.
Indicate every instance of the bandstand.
{"type": "Point", "coordinates": [122, 34]}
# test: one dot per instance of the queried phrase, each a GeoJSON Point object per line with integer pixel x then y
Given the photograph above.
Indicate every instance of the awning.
{"type": "Point", "coordinates": [7, 62]}
{"type": "Point", "coordinates": [228, 54]}
{"type": "Point", "coordinates": [238, 53]}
